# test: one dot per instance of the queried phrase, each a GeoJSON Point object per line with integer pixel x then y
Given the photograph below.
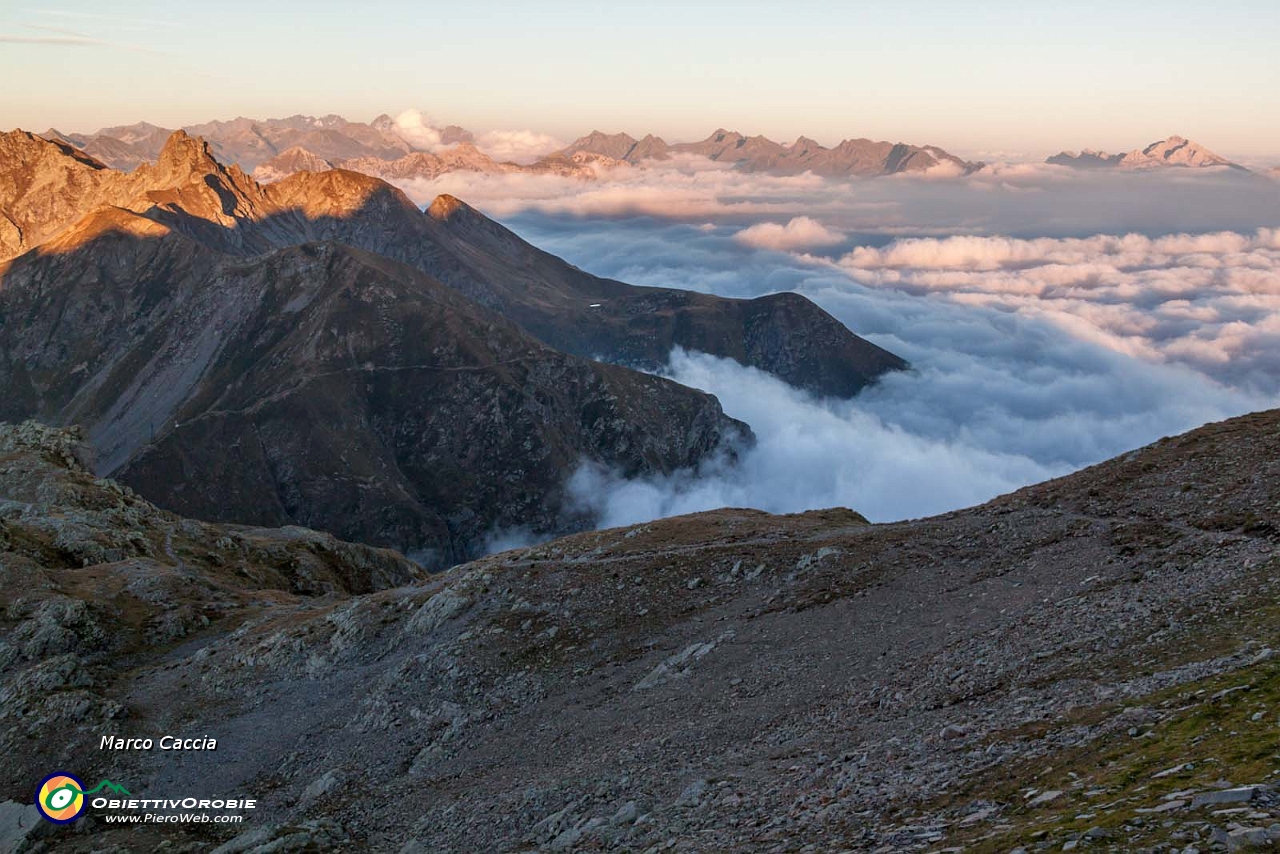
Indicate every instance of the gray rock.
{"type": "Point", "coordinates": [626, 814]}
{"type": "Point", "coordinates": [320, 787]}
{"type": "Point", "coordinates": [283, 838]}
{"type": "Point", "coordinates": [1247, 836]}
{"type": "Point", "coordinates": [1242, 795]}
{"type": "Point", "coordinates": [692, 793]}
{"type": "Point", "coordinates": [567, 839]}
{"type": "Point", "coordinates": [20, 825]}
{"type": "Point", "coordinates": [1044, 798]}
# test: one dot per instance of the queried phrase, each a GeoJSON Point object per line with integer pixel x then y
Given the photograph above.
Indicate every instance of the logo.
{"type": "Point", "coordinates": [60, 797]}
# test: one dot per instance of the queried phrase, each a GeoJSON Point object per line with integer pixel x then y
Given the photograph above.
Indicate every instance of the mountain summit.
{"type": "Point", "coordinates": [1174, 151]}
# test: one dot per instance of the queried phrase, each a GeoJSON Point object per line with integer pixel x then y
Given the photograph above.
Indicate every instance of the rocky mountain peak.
{"type": "Point", "coordinates": [185, 154]}
{"type": "Point", "coordinates": [451, 209]}
{"type": "Point", "coordinates": [19, 146]}
{"type": "Point", "coordinates": [1172, 151]}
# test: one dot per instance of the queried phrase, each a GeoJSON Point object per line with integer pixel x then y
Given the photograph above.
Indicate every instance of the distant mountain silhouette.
{"type": "Point", "coordinates": [273, 148]}
{"type": "Point", "coordinates": [1174, 151]}
{"type": "Point", "coordinates": [859, 157]}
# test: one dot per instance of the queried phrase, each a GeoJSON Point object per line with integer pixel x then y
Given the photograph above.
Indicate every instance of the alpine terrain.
{"type": "Point", "coordinates": [319, 351]}
{"type": "Point", "coordinates": [1084, 663]}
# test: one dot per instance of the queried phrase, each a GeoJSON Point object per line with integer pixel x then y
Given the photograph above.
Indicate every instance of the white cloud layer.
{"type": "Point", "coordinates": [416, 128]}
{"type": "Point", "coordinates": [1014, 380]}
{"type": "Point", "coordinates": [1208, 301]}
{"type": "Point", "coordinates": [1052, 318]}
{"type": "Point", "coordinates": [800, 232]}
{"type": "Point", "coordinates": [809, 454]}
{"type": "Point", "coordinates": [1025, 200]}
{"type": "Point", "coordinates": [517, 146]}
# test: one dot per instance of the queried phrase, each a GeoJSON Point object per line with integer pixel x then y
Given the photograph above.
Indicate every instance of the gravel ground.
{"type": "Point", "coordinates": [724, 681]}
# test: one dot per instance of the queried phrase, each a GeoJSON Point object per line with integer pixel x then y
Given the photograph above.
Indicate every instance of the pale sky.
{"type": "Point", "coordinates": [985, 78]}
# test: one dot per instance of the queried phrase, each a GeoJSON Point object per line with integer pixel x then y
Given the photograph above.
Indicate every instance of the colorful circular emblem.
{"type": "Point", "coordinates": [60, 798]}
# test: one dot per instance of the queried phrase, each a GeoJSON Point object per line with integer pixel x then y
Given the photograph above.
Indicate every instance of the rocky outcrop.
{"type": "Point", "coordinates": [44, 186]}
{"type": "Point", "coordinates": [1174, 151]}
{"type": "Point", "coordinates": [93, 576]}
{"type": "Point", "coordinates": [1094, 646]}
{"type": "Point", "coordinates": [49, 187]}
{"type": "Point", "coordinates": [55, 514]}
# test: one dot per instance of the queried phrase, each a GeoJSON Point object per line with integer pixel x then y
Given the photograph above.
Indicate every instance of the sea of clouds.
{"type": "Point", "coordinates": [1052, 318]}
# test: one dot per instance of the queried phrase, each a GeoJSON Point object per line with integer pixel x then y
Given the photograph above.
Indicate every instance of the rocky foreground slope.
{"type": "Point", "coordinates": [1085, 664]}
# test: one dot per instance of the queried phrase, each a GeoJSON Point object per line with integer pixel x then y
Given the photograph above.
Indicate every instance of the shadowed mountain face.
{"type": "Point", "coordinates": [786, 335]}
{"type": "Point", "coordinates": [322, 386]}
{"type": "Point", "coordinates": [726, 681]}
{"type": "Point", "coordinates": [235, 362]}
{"type": "Point", "coordinates": [782, 334]}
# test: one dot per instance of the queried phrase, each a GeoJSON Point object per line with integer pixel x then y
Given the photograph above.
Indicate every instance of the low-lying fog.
{"type": "Point", "coordinates": [1053, 319]}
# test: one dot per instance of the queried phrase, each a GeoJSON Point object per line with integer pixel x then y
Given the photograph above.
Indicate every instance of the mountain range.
{"type": "Point", "coordinates": [319, 351]}
{"type": "Point", "coordinates": [246, 416]}
{"type": "Point", "coordinates": [859, 157]}
{"type": "Point", "coordinates": [1173, 151]}
{"type": "Point", "coordinates": [273, 148]}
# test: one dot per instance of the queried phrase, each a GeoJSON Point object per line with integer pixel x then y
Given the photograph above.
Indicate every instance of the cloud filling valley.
{"type": "Point", "coordinates": [1052, 319]}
